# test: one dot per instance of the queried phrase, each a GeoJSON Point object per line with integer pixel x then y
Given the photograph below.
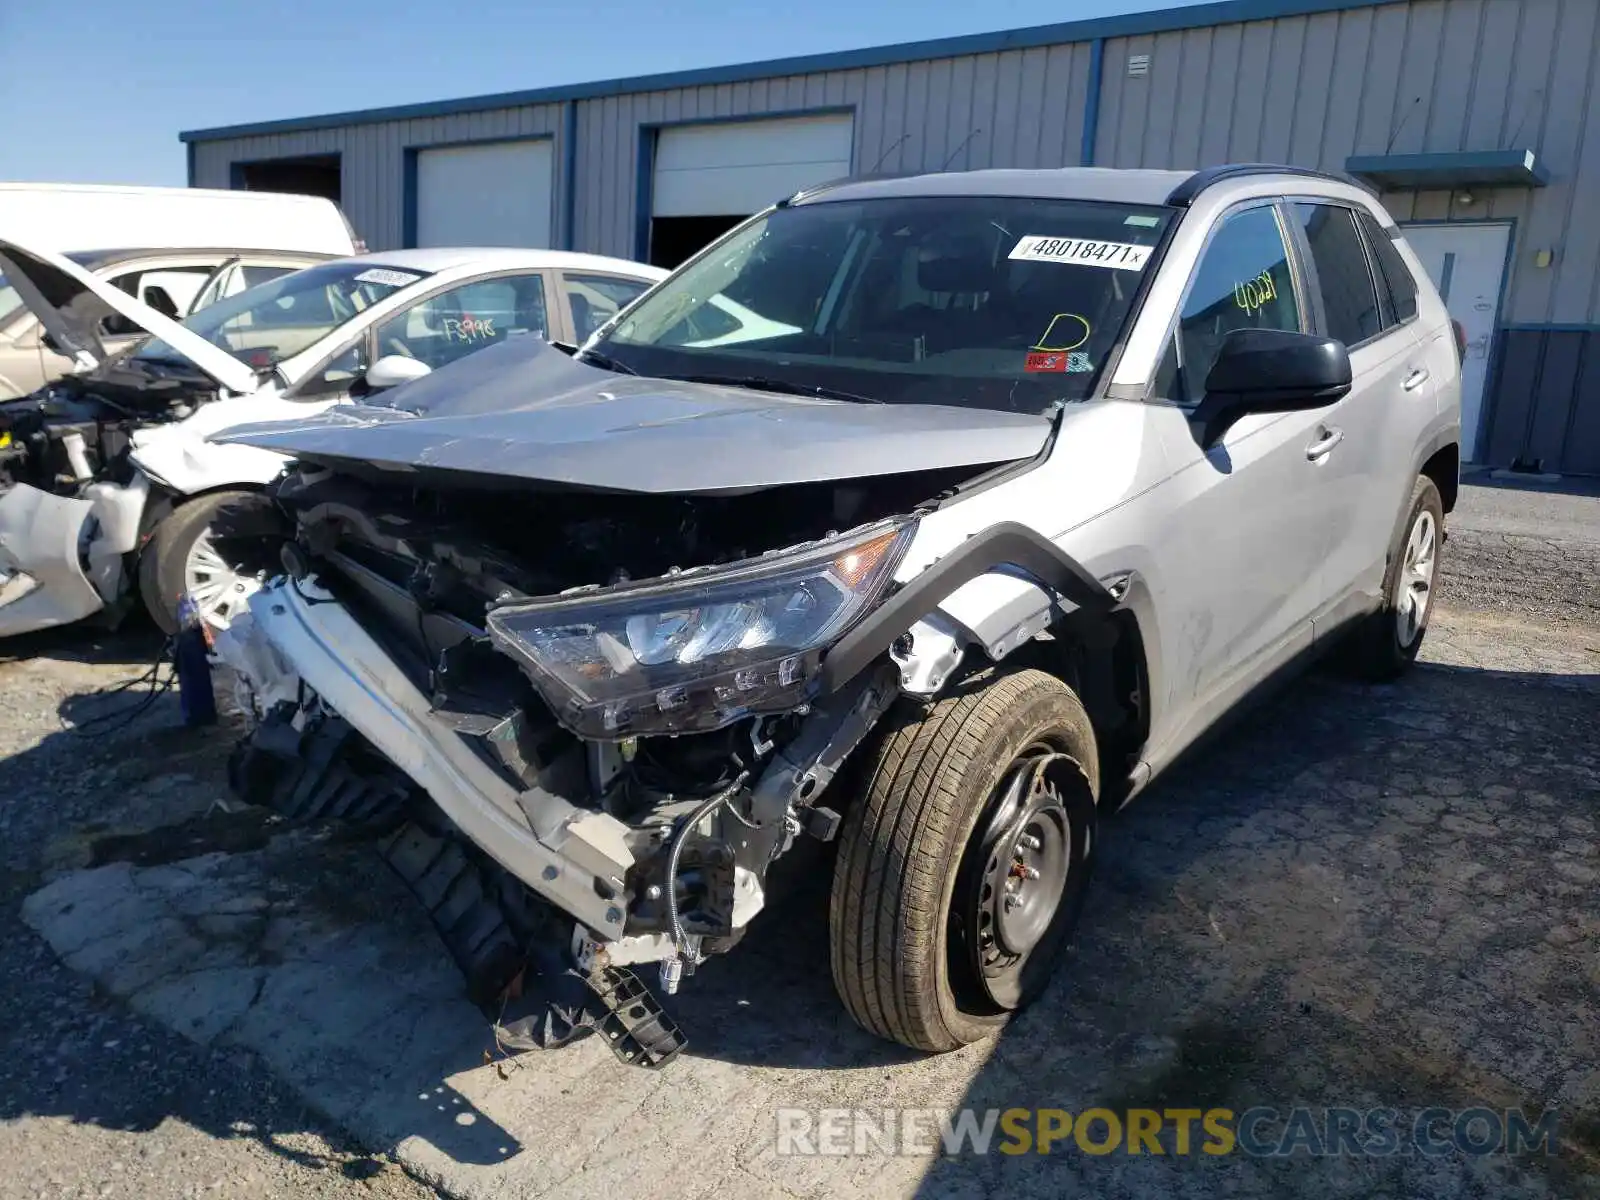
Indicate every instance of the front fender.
{"type": "Point", "coordinates": [188, 466]}
{"type": "Point", "coordinates": [992, 560]}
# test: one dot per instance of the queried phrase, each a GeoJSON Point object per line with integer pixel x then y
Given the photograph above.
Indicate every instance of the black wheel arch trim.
{"type": "Point", "coordinates": [1005, 545]}
{"type": "Point", "coordinates": [1442, 440]}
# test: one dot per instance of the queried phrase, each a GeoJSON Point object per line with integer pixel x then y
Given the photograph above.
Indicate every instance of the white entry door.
{"type": "Point", "coordinates": [1467, 263]}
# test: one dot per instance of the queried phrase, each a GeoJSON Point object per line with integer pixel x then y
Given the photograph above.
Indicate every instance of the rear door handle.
{"type": "Point", "coordinates": [1416, 379]}
{"type": "Point", "coordinates": [1324, 445]}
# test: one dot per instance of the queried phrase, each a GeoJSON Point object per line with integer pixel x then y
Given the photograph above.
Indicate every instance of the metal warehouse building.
{"type": "Point", "coordinates": [1478, 120]}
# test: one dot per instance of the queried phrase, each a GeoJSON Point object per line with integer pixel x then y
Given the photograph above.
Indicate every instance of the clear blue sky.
{"type": "Point", "coordinates": [96, 92]}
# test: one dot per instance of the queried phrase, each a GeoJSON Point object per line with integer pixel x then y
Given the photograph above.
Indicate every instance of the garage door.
{"type": "Point", "coordinates": [738, 168]}
{"type": "Point", "coordinates": [498, 194]}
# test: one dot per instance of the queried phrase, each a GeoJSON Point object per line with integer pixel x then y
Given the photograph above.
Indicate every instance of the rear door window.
{"type": "Point", "coordinates": [1344, 277]}
{"type": "Point", "coordinates": [1397, 278]}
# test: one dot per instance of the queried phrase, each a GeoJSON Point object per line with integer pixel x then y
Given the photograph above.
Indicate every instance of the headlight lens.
{"type": "Point", "coordinates": [700, 652]}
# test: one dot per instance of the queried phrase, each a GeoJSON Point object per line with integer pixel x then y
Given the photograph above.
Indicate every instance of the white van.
{"type": "Point", "coordinates": [174, 249]}
{"type": "Point", "coordinates": [71, 216]}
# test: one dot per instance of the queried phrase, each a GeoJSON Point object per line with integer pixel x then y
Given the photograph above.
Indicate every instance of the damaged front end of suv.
{"type": "Point", "coordinates": [628, 698]}
{"type": "Point", "coordinates": [593, 635]}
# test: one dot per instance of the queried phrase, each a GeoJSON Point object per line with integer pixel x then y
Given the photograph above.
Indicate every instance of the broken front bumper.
{"type": "Point", "coordinates": [575, 858]}
{"type": "Point", "coordinates": [61, 557]}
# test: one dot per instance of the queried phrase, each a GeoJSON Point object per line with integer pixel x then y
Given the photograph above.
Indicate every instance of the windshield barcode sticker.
{"type": "Point", "coordinates": [1120, 256]}
{"type": "Point", "coordinates": [385, 276]}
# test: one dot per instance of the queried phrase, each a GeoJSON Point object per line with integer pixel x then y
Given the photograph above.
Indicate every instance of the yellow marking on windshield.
{"type": "Point", "coordinates": [1056, 331]}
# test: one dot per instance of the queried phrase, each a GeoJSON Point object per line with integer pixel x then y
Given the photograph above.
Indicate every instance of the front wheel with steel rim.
{"type": "Point", "coordinates": [1387, 643]}
{"type": "Point", "coordinates": [216, 548]}
{"type": "Point", "coordinates": [963, 864]}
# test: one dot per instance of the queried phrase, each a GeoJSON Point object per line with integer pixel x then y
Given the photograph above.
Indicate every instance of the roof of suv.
{"type": "Point", "coordinates": [1116, 185]}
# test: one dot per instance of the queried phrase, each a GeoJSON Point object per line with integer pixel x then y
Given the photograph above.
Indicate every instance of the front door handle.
{"type": "Point", "coordinates": [1416, 379]}
{"type": "Point", "coordinates": [1323, 446]}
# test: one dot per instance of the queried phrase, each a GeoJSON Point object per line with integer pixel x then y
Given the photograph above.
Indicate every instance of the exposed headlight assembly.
{"type": "Point", "coordinates": [702, 650]}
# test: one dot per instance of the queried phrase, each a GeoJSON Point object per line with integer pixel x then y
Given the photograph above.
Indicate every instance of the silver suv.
{"type": "Point", "coordinates": [1007, 487]}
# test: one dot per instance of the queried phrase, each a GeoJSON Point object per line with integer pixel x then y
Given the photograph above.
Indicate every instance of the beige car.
{"type": "Point", "coordinates": [173, 282]}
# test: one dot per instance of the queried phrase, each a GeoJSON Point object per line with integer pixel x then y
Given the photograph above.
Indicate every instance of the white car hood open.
{"type": "Point", "coordinates": [70, 303]}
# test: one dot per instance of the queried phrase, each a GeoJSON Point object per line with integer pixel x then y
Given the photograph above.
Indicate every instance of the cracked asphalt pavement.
{"type": "Point", "coordinates": [1357, 897]}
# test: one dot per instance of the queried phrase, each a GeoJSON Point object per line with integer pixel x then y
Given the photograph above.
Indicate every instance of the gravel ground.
{"type": "Point", "coordinates": [1529, 552]}
{"type": "Point", "coordinates": [95, 1101]}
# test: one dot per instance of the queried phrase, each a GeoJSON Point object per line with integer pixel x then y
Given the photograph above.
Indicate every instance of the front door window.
{"type": "Point", "coordinates": [1243, 282]}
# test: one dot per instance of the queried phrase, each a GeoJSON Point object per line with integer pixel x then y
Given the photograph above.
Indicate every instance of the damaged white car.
{"type": "Point", "coordinates": [1036, 475]}
{"type": "Point", "coordinates": [106, 476]}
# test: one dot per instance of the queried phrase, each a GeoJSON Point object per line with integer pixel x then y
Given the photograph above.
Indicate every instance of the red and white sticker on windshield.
{"type": "Point", "coordinates": [1084, 252]}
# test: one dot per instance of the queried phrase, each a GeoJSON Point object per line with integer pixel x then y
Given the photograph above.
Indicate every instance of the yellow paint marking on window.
{"type": "Point", "coordinates": [1253, 294]}
{"type": "Point", "coordinates": [1056, 332]}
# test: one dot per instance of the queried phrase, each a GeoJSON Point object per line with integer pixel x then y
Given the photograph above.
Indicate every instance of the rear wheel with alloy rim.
{"type": "Point", "coordinates": [962, 868]}
{"type": "Point", "coordinates": [1388, 641]}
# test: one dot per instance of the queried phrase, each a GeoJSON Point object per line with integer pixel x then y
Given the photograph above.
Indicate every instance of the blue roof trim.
{"type": "Point", "coordinates": [1127, 25]}
{"type": "Point", "coordinates": [1519, 167]}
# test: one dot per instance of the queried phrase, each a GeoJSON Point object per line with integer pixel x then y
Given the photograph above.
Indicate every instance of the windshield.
{"type": "Point", "coordinates": [276, 320]}
{"type": "Point", "coordinates": [993, 302]}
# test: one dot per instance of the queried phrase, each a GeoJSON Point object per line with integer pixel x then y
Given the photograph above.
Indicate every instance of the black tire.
{"type": "Point", "coordinates": [1380, 650]}
{"type": "Point", "coordinates": [923, 840]}
{"type": "Point", "coordinates": [246, 523]}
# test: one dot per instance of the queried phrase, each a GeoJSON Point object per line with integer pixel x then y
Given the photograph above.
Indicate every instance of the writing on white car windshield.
{"type": "Point", "coordinates": [276, 320]}
{"type": "Point", "coordinates": [986, 301]}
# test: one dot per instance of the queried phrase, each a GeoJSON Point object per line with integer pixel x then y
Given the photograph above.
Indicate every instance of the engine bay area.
{"type": "Point", "coordinates": [602, 848]}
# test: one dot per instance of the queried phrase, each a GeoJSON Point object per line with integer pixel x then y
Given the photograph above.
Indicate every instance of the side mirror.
{"type": "Point", "coordinates": [394, 369]}
{"type": "Point", "coordinates": [1270, 371]}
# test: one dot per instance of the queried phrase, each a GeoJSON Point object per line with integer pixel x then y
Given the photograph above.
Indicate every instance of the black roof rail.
{"type": "Point", "coordinates": [1183, 195]}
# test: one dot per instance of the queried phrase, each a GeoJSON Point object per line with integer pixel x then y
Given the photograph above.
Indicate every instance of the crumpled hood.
{"type": "Point", "coordinates": [70, 303]}
{"type": "Point", "coordinates": [526, 411]}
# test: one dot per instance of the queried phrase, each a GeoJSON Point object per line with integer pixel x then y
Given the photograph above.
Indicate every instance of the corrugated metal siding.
{"type": "Point", "coordinates": [1014, 108]}
{"type": "Point", "coordinates": [1547, 393]}
{"type": "Point", "coordinates": [372, 159]}
{"type": "Point", "coordinates": [1431, 75]}
{"type": "Point", "coordinates": [1434, 75]}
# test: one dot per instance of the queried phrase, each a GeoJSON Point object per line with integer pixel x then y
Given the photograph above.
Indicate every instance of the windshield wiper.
{"type": "Point", "coordinates": [761, 383]}
{"type": "Point", "coordinates": [604, 361]}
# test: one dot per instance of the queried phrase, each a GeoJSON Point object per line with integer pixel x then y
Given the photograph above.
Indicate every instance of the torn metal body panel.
{"type": "Point", "coordinates": [42, 555]}
{"type": "Point", "coordinates": [62, 557]}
